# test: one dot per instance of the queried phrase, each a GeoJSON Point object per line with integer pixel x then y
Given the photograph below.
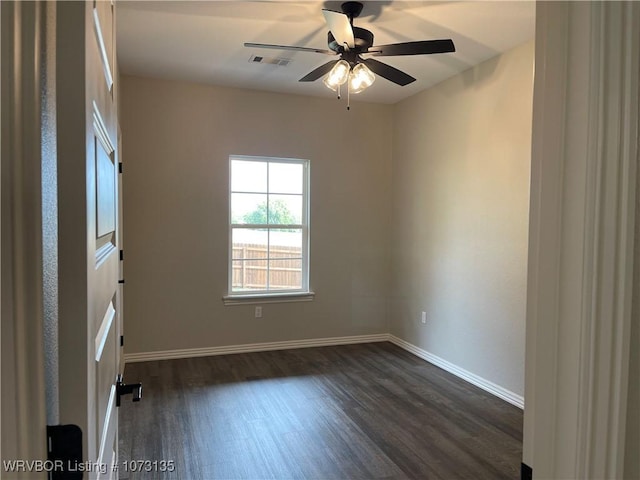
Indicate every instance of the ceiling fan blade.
{"type": "Point", "coordinates": [289, 47]}
{"type": "Point", "coordinates": [340, 26]}
{"type": "Point", "coordinates": [318, 72]}
{"type": "Point", "coordinates": [390, 73]}
{"type": "Point", "coordinates": [424, 47]}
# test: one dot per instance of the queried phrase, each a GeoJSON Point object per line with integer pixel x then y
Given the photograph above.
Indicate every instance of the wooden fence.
{"type": "Point", "coordinates": [252, 267]}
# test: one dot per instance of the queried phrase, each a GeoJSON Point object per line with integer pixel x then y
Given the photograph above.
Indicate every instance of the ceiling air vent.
{"type": "Point", "coordinates": [280, 62]}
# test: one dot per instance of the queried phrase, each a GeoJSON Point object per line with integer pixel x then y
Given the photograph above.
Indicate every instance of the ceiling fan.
{"type": "Point", "coordinates": [350, 44]}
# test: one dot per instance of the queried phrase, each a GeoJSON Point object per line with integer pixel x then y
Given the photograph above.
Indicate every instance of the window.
{"type": "Point", "coordinates": [269, 226]}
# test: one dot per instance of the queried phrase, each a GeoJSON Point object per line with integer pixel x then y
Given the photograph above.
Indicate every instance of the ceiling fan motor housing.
{"type": "Point", "coordinates": [363, 39]}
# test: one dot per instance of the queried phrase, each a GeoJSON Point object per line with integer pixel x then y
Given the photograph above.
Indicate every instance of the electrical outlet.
{"type": "Point", "coordinates": [424, 317]}
{"type": "Point", "coordinates": [258, 312]}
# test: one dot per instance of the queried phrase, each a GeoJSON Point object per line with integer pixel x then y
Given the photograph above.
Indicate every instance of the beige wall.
{"type": "Point", "coordinates": [462, 153]}
{"type": "Point", "coordinates": [177, 138]}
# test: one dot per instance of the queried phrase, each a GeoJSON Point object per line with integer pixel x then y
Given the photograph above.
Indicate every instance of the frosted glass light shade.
{"type": "Point", "coordinates": [360, 78]}
{"type": "Point", "coordinates": [338, 75]}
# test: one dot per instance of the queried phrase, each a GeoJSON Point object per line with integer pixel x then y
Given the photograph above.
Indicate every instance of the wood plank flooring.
{"type": "Point", "coordinates": [368, 411]}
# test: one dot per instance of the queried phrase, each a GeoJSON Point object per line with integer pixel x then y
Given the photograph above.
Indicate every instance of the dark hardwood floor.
{"type": "Point", "coordinates": [368, 411]}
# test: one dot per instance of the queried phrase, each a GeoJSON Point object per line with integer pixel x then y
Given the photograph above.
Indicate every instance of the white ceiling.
{"type": "Point", "coordinates": [203, 41]}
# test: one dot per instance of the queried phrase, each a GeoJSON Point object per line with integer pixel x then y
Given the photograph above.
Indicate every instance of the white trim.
{"type": "Point", "coordinates": [268, 298]}
{"type": "Point", "coordinates": [113, 467]}
{"type": "Point", "coordinates": [104, 58]}
{"type": "Point", "coordinates": [101, 131]}
{"type": "Point", "coordinates": [103, 332]}
{"type": "Point", "coordinates": [253, 347]}
{"type": "Point", "coordinates": [552, 25]}
{"type": "Point", "coordinates": [478, 381]}
{"type": "Point", "coordinates": [106, 429]}
{"type": "Point", "coordinates": [607, 318]}
{"type": "Point", "coordinates": [584, 160]}
{"type": "Point", "coordinates": [304, 226]}
{"type": "Point", "coordinates": [104, 252]}
{"type": "Point", "coordinates": [486, 385]}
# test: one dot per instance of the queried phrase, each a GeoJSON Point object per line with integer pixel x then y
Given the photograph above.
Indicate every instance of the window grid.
{"type": "Point", "coordinates": [271, 259]}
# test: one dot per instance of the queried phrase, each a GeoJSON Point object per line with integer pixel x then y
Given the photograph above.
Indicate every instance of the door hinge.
{"type": "Point", "coordinates": [121, 281]}
{"type": "Point", "coordinates": [119, 167]}
{"type": "Point", "coordinates": [121, 255]}
{"type": "Point", "coordinates": [526, 472]}
{"type": "Point", "coordinates": [122, 340]}
{"type": "Point", "coordinates": [64, 451]}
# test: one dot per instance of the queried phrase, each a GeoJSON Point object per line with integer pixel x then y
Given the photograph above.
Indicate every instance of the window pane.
{"type": "Point", "coordinates": [267, 193]}
{"type": "Point", "coordinates": [285, 178]}
{"type": "Point", "coordinates": [249, 243]}
{"type": "Point", "coordinates": [249, 275]}
{"type": "Point", "coordinates": [285, 209]}
{"type": "Point", "coordinates": [285, 274]}
{"type": "Point", "coordinates": [248, 208]}
{"type": "Point", "coordinates": [285, 243]}
{"type": "Point", "coordinates": [247, 176]}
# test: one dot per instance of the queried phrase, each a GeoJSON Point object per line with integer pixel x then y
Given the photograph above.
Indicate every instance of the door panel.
{"type": "Point", "coordinates": [105, 372]}
{"type": "Point", "coordinates": [105, 188]}
{"type": "Point", "coordinates": [103, 28]}
{"type": "Point", "coordinates": [104, 285]}
{"type": "Point", "coordinates": [89, 208]}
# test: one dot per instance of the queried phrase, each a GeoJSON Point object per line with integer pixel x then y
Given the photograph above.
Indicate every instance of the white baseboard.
{"type": "Point", "coordinates": [472, 378]}
{"type": "Point", "coordinates": [252, 347]}
{"type": "Point", "coordinates": [497, 390]}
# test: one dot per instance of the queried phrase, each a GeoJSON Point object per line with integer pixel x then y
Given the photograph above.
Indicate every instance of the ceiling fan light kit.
{"type": "Point", "coordinates": [355, 46]}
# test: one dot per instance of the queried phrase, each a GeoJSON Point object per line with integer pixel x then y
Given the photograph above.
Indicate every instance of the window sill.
{"type": "Point", "coordinates": [268, 298]}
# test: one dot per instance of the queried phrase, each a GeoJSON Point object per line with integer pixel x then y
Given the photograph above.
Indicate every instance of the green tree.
{"type": "Point", "coordinates": [279, 213]}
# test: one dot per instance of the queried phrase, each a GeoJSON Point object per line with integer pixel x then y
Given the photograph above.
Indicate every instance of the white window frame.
{"type": "Point", "coordinates": [282, 295]}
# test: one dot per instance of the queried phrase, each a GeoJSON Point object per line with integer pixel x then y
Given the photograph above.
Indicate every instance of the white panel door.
{"type": "Point", "coordinates": [90, 303]}
{"type": "Point", "coordinates": [102, 240]}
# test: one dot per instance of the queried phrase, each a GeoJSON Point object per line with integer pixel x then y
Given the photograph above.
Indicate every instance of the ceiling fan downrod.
{"type": "Point", "coordinates": [352, 10]}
